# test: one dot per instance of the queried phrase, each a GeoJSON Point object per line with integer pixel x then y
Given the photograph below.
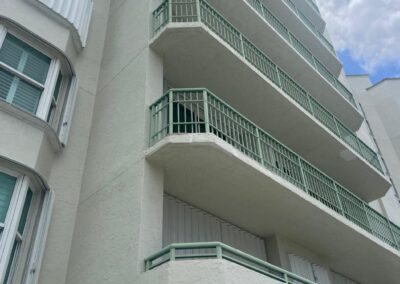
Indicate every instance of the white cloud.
{"type": "Point", "coordinates": [369, 29]}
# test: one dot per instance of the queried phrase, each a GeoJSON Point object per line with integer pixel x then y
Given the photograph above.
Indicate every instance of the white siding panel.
{"type": "Point", "coordinates": [321, 274]}
{"type": "Point", "coordinates": [76, 12]}
{"type": "Point", "coordinates": [301, 266]}
{"type": "Point", "coordinates": [185, 223]}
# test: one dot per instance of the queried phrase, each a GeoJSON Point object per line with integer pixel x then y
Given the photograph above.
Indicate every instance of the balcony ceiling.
{"type": "Point", "coordinates": [194, 57]}
{"type": "Point", "coordinates": [207, 172]}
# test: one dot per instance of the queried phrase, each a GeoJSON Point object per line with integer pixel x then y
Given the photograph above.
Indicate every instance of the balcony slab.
{"type": "Point", "coordinates": [195, 57]}
{"type": "Point", "coordinates": [209, 173]}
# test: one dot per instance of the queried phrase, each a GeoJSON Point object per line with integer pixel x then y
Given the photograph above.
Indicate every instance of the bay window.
{"type": "Point", "coordinates": [32, 76]}
{"type": "Point", "coordinates": [21, 202]}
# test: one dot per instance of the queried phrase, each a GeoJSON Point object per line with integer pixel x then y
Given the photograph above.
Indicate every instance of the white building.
{"type": "Point", "coordinates": [186, 141]}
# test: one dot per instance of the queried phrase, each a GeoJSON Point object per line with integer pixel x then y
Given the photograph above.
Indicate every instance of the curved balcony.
{"type": "Point", "coordinates": [311, 26]}
{"type": "Point", "coordinates": [185, 62]}
{"type": "Point", "coordinates": [288, 12]}
{"type": "Point", "coordinates": [217, 160]}
{"type": "Point", "coordinates": [199, 111]}
{"type": "Point", "coordinates": [291, 54]}
{"type": "Point", "coordinates": [311, 10]}
{"type": "Point", "coordinates": [216, 250]}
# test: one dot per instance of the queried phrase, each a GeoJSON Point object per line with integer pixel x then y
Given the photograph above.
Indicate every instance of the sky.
{"type": "Point", "coordinates": [366, 35]}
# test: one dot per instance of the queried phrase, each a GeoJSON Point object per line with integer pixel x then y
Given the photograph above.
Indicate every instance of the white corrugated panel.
{"type": "Point", "coordinates": [184, 223]}
{"type": "Point", "coordinates": [321, 274]}
{"type": "Point", "coordinates": [76, 12]}
{"type": "Point", "coordinates": [301, 266]}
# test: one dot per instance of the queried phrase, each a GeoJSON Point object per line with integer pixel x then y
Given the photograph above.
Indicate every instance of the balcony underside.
{"type": "Point", "coordinates": [194, 57]}
{"type": "Point", "coordinates": [263, 35]}
{"type": "Point", "coordinates": [304, 34]}
{"type": "Point", "coordinates": [209, 173]}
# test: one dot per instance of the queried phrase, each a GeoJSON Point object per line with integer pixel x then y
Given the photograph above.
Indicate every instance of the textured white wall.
{"type": "Point", "coordinates": [204, 272]}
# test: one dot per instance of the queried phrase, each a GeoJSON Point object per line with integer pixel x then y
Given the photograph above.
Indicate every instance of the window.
{"type": "Point", "coordinates": [32, 78]}
{"type": "Point", "coordinates": [20, 204]}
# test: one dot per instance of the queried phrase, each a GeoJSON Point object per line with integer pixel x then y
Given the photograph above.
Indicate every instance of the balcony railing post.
{"type": "Point", "coordinates": [310, 104]}
{"type": "Point", "coordinates": [242, 46]}
{"type": "Point", "coordinates": [170, 112]}
{"type": "Point", "coordinates": [198, 8]}
{"type": "Point", "coordinates": [285, 276]}
{"type": "Point", "coordinates": [303, 175]}
{"type": "Point", "coordinates": [278, 76]}
{"type": "Point", "coordinates": [368, 221]}
{"type": "Point", "coordinates": [206, 114]}
{"type": "Point", "coordinates": [172, 254]}
{"type": "Point", "coordinates": [219, 251]}
{"type": "Point", "coordinates": [169, 7]}
{"type": "Point", "coordinates": [290, 38]}
{"type": "Point", "coordinates": [337, 128]}
{"type": "Point", "coordinates": [259, 146]}
{"type": "Point", "coordinates": [339, 200]}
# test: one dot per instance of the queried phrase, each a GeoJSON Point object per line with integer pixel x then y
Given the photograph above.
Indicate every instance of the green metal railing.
{"type": "Point", "coordinates": [266, 14]}
{"type": "Point", "coordinates": [310, 25]}
{"type": "Point", "coordinates": [217, 250]}
{"type": "Point", "coordinates": [182, 111]}
{"type": "Point", "coordinates": [187, 11]}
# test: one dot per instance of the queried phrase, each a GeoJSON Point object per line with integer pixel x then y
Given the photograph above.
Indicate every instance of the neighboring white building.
{"type": "Point", "coordinates": [189, 141]}
{"type": "Point", "coordinates": [381, 105]}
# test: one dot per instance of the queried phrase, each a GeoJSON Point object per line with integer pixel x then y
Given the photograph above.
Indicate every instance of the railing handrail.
{"type": "Point", "coordinates": [307, 170]}
{"type": "Point", "coordinates": [276, 77]}
{"type": "Point", "coordinates": [307, 22]}
{"type": "Point", "coordinates": [218, 245]}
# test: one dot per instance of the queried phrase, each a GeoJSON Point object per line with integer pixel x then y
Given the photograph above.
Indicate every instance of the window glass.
{"type": "Point", "coordinates": [11, 262]}
{"type": "Point", "coordinates": [54, 99]}
{"type": "Point", "coordinates": [25, 210]}
{"type": "Point", "coordinates": [22, 58]}
{"type": "Point", "coordinates": [7, 184]}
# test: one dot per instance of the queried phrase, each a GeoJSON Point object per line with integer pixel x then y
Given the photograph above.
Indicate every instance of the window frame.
{"type": "Point", "coordinates": [48, 87]}
{"type": "Point", "coordinates": [26, 241]}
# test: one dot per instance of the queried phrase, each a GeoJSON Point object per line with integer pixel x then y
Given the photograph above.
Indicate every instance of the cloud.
{"type": "Point", "coordinates": [368, 29]}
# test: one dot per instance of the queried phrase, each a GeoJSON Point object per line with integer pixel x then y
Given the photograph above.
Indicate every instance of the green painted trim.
{"type": "Point", "coordinates": [222, 28]}
{"type": "Point", "coordinates": [233, 255]}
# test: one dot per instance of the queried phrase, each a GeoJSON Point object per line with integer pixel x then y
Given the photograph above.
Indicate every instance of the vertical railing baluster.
{"type": "Point", "coordinates": [392, 234]}
{"type": "Point", "coordinates": [339, 200]}
{"type": "Point", "coordinates": [368, 221]}
{"type": "Point", "coordinates": [310, 104]}
{"type": "Point", "coordinates": [337, 127]}
{"type": "Point", "coordinates": [303, 175]}
{"type": "Point", "coordinates": [259, 146]}
{"type": "Point", "coordinates": [171, 112]}
{"type": "Point", "coordinates": [206, 115]}
{"type": "Point", "coordinates": [169, 7]}
{"type": "Point", "coordinates": [198, 8]}
{"type": "Point", "coordinates": [278, 76]}
{"type": "Point", "coordinates": [242, 45]}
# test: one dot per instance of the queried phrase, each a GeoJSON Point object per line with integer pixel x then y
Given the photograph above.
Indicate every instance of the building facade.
{"type": "Point", "coordinates": [187, 141]}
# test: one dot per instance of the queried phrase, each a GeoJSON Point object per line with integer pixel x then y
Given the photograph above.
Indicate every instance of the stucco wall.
{"type": "Point", "coordinates": [119, 218]}
{"type": "Point", "coordinates": [204, 272]}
